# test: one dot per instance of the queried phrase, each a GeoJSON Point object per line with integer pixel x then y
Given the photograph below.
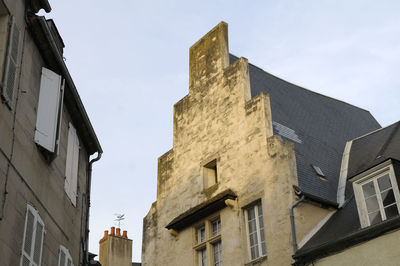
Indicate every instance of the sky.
{"type": "Point", "coordinates": [130, 62]}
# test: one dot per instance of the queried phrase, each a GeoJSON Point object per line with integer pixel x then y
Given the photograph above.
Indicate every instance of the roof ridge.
{"type": "Point", "coordinates": [352, 105]}
{"type": "Point", "coordinates": [375, 131]}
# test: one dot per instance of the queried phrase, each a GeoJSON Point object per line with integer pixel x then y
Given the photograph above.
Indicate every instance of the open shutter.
{"type": "Point", "coordinates": [71, 170]}
{"type": "Point", "coordinates": [10, 71]}
{"type": "Point", "coordinates": [48, 109]}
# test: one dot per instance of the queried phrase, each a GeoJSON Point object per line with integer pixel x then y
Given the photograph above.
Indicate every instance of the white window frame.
{"type": "Point", "coordinates": [36, 220]}
{"type": "Point", "coordinates": [254, 206]}
{"type": "Point", "coordinates": [373, 175]}
{"type": "Point", "coordinates": [66, 258]}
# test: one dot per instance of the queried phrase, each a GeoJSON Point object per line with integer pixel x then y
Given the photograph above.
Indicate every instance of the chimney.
{"type": "Point", "coordinates": [115, 249]}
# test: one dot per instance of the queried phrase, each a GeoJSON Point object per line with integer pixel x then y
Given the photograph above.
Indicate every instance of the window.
{"type": "Point", "coordinates": [9, 83]}
{"type": "Point", "coordinates": [65, 258]}
{"type": "Point", "coordinates": [377, 197]}
{"type": "Point", "coordinates": [71, 165]}
{"type": "Point", "coordinates": [255, 231]}
{"type": "Point", "coordinates": [210, 175]}
{"type": "Point", "coordinates": [208, 243]}
{"type": "Point", "coordinates": [49, 111]}
{"type": "Point", "coordinates": [33, 238]}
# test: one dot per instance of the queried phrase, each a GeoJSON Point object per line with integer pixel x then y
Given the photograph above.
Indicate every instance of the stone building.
{"type": "Point", "coordinates": [255, 165]}
{"type": "Point", "coordinates": [115, 248]}
{"type": "Point", "coordinates": [46, 140]}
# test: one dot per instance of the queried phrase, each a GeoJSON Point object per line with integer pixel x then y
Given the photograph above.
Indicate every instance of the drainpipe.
{"type": "Point", "coordinates": [89, 182]}
{"type": "Point", "coordinates": [292, 222]}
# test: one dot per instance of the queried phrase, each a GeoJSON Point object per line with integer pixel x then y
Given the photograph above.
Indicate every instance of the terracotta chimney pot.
{"type": "Point", "coordinates": [125, 234]}
{"type": "Point", "coordinates": [113, 231]}
{"type": "Point", "coordinates": [118, 231]}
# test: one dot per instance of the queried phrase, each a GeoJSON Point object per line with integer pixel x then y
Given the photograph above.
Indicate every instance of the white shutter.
{"type": "Point", "coordinates": [11, 62]}
{"type": "Point", "coordinates": [48, 109]}
{"type": "Point", "coordinates": [33, 238]}
{"type": "Point", "coordinates": [71, 165]}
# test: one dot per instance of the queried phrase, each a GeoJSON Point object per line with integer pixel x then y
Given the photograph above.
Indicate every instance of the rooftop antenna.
{"type": "Point", "coordinates": [119, 218]}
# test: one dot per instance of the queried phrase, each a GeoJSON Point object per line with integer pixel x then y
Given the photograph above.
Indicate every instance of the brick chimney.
{"type": "Point", "coordinates": [115, 249]}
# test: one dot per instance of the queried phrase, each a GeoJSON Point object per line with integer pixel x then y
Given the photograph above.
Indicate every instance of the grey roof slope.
{"type": "Point", "coordinates": [322, 124]}
{"type": "Point", "coordinates": [344, 226]}
{"type": "Point", "coordinates": [374, 148]}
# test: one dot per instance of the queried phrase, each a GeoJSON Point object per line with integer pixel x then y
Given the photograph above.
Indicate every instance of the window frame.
{"type": "Point", "coordinates": [373, 175]}
{"type": "Point", "coordinates": [67, 256]}
{"type": "Point", "coordinates": [254, 206]}
{"type": "Point", "coordinates": [210, 240]}
{"type": "Point", "coordinates": [36, 219]}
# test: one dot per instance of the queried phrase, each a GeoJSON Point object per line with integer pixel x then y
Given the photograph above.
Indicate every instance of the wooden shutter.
{"type": "Point", "coordinates": [11, 63]}
{"type": "Point", "coordinates": [33, 238]}
{"type": "Point", "coordinates": [48, 110]}
{"type": "Point", "coordinates": [71, 165]}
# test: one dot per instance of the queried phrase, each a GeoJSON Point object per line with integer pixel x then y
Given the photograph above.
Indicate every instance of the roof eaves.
{"type": "Point", "coordinates": [351, 239]}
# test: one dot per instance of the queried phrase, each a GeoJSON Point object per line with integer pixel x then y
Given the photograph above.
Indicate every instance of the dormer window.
{"type": "Point", "coordinates": [377, 195]}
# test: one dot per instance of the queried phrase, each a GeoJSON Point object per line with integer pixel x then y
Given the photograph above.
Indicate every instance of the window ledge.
{"type": "Point", "coordinates": [256, 261]}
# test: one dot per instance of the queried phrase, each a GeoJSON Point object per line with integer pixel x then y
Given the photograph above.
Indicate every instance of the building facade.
{"type": "Point", "coordinates": [255, 164]}
{"type": "Point", "coordinates": [46, 140]}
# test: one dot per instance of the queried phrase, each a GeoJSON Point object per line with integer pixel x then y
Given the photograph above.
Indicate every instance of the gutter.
{"type": "Point", "coordinates": [88, 188]}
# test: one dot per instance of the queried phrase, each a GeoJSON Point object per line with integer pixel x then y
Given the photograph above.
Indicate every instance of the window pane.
{"type": "Point", "coordinates": [216, 227]}
{"type": "Point", "coordinates": [217, 254]}
{"type": "Point", "coordinates": [252, 226]}
{"type": "Point", "coordinates": [388, 197]}
{"type": "Point", "coordinates": [260, 213]}
{"type": "Point", "coordinates": [384, 182]}
{"type": "Point", "coordinates": [201, 235]}
{"type": "Point", "coordinates": [38, 243]}
{"type": "Point", "coordinates": [372, 204]}
{"type": "Point", "coordinates": [254, 253]}
{"type": "Point", "coordinates": [391, 211]}
{"type": "Point", "coordinates": [251, 214]}
{"type": "Point", "coordinates": [203, 257]}
{"type": "Point", "coordinates": [375, 217]}
{"type": "Point", "coordinates": [368, 189]}
{"type": "Point", "coordinates": [29, 233]}
{"type": "Point", "coordinates": [253, 239]}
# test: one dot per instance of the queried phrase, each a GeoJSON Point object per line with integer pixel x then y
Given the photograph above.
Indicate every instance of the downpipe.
{"type": "Point", "coordinates": [291, 210]}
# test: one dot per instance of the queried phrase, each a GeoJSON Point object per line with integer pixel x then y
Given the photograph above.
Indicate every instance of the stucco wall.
{"type": "Point", "coordinates": [32, 179]}
{"type": "Point", "coordinates": [383, 250]}
{"type": "Point", "coordinates": [218, 120]}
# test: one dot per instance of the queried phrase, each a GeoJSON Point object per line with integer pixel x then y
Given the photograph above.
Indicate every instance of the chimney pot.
{"type": "Point", "coordinates": [118, 231]}
{"type": "Point", "coordinates": [113, 231]}
{"type": "Point", "coordinates": [105, 233]}
{"type": "Point", "coordinates": [125, 234]}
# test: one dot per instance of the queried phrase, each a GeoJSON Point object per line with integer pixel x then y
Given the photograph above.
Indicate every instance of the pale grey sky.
{"type": "Point", "coordinates": [129, 60]}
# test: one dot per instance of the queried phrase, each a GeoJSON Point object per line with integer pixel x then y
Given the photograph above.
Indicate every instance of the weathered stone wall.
{"type": "Point", "coordinates": [31, 179]}
{"type": "Point", "coordinates": [115, 251]}
{"type": "Point", "coordinates": [219, 120]}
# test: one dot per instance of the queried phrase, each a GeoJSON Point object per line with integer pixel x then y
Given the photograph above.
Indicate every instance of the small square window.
{"type": "Point", "coordinates": [318, 170]}
{"type": "Point", "coordinates": [210, 174]}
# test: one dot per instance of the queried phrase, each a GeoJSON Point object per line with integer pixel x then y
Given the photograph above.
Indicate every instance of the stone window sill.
{"type": "Point", "coordinates": [256, 261]}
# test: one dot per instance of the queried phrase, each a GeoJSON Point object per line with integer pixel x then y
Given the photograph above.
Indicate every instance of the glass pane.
{"type": "Point", "coordinates": [25, 261]}
{"type": "Point", "coordinates": [391, 211]}
{"type": "Point", "coordinates": [216, 227]}
{"type": "Point", "coordinates": [372, 204]}
{"type": "Point", "coordinates": [29, 233]}
{"type": "Point", "coordinates": [388, 197]}
{"type": "Point", "coordinates": [201, 235]}
{"type": "Point", "coordinates": [38, 243]}
{"type": "Point", "coordinates": [217, 254]}
{"type": "Point", "coordinates": [251, 214]}
{"type": "Point", "coordinates": [375, 217]}
{"type": "Point", "coordinates": [253, 239]}
{"type": "Point", "coordinates": [368, 189]}
{"type": "Point", "coordinates": [259, 209]}
{"type": "Point", "coordinates": [384, 182]}
{"type": "Point", "coordinates": [254, 253]}
{"type": "Point", "coordinates": [203, 257]}
{"type": "Point", "coordinates": [264, 249]}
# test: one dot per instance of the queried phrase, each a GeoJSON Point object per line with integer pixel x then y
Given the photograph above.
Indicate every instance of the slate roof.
{"type": "Point", "coordinates": [343, 229]}
{"type": "Point", "coordinates": [318, 125]}
{"type": "Point", "coordinates": [374, 148]}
